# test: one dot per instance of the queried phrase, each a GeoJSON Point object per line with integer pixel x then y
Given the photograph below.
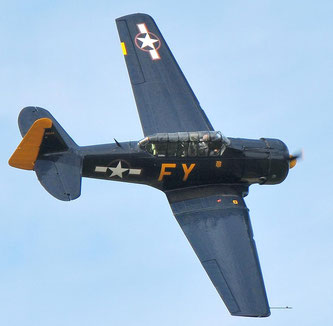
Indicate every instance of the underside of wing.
{"type": "Point", "coordinates": [165, 100]}
{"type": "Point", "coordinates": [218, 227]}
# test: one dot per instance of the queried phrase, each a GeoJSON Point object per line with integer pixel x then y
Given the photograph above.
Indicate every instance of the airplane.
{"type": "Point", "coordinates": [204, 174]}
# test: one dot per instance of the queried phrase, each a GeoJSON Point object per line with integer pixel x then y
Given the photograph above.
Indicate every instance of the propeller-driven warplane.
{"type": "Point", "coordinates": [204, 174]}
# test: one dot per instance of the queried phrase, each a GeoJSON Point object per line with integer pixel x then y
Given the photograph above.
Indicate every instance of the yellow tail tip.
{"type": "Point", "coordinates": [27, 151]}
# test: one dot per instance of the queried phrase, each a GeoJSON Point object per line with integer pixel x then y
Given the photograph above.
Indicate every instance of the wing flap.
{"type": "Point", "coordinates": [218, 228]}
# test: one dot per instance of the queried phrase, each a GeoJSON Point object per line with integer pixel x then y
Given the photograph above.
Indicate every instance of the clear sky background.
{"type": "Point", "coordinates": [116, 255]}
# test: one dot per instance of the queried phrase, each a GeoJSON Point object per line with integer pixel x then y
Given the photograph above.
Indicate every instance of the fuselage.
{"type": "Point", "coordinates": [243, 162]}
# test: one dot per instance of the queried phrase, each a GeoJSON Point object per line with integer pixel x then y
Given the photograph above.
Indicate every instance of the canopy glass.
{"type": "Point", "coordinates": [185, 144]}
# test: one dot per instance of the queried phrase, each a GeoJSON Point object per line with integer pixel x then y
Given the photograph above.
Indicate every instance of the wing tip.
{"type": "Point", "coordinates": [262, 314]}
{"type": "Point", "coordinates": [136, 15]}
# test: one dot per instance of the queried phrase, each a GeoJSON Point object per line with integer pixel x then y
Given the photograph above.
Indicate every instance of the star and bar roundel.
{"type": "Point", "coordinates": [118, 168]}
{"type": "Point", "coordinates": [147, 41]}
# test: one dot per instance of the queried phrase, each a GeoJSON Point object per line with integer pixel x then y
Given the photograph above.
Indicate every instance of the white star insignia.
{"type": "Point", "coordinates": [147, 41]}
{"type": "Point", "coordinates": [118, 170]}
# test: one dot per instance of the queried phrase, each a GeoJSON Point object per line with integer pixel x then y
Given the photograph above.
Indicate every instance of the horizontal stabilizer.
{"type": "Point", "coordinates": [60, 175]}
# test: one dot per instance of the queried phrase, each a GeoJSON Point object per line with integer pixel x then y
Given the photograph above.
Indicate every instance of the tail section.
{"type": "Point", "coordinates": [47, 149]}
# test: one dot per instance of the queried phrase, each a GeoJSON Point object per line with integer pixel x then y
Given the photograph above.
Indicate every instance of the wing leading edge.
{"type": "Point", "coordinates": [219, 230]}
{"type": "Point", "coordinates": [165, 100]}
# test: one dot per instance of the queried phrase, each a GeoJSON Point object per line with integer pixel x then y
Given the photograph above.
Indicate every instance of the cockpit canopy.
{"type": "Point", "coordinates": [185, 144]}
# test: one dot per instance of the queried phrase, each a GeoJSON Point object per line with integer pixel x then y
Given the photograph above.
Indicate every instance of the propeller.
{"type": "Point", "coordinates": [293, 158]}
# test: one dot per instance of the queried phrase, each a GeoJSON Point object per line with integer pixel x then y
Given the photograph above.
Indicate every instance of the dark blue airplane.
{"type": "Point", "coordinates": [204, 174]}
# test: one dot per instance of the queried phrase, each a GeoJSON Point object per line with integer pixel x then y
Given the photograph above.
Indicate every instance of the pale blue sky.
{"type": "Point", "coordinates": [116, 255]}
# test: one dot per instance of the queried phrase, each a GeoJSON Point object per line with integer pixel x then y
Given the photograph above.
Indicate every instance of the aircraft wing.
{"type": "Point", "coordinates": [165, 100]}
{"type": "Point", "coordinates": [217, 225]}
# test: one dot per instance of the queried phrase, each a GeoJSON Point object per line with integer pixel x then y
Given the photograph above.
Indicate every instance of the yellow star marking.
{"type": "Point", "coordinates": [147, 41]}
